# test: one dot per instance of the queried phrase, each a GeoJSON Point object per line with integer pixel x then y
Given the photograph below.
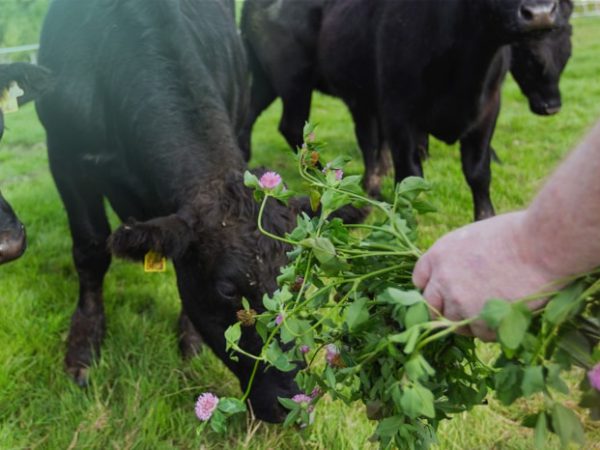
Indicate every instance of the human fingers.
{"type": "Point", "coordinates": [435, 300]}
{"type": "Point", "coordinates": [480, 330]}
{"type": "Point", "coordinates": [422, 272]}
{"type": "Point", "coordinates": [453, 310]}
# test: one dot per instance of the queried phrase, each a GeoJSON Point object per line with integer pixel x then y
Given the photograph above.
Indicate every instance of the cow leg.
{"type": "Point", "coordinates": [476, 154]}
{"type": "Point", "coordinates": [296, 109]}
{"type": "Point", "coordinates": [403, 141]}
{"type": "Point", "coordinates": [385, 162]}
{"type": "Point", "coordinates": [423, 146]}
{"type": "Point", "coordinates": [367, 135]}
{"type": "Point", "coordinates": [262, 94]}
{"type": "Point", "coordinates": [89, 230]}
{"type": "Point", "coordinates": [190, 341]}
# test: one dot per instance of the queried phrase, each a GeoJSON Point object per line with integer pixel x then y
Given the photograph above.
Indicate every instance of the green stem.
{"type": "Point", "coordinates": [451, 329]}
{"type": "Point", "coordinates": [250, 382]}
{"type": "Point", "coordinates": [370, 254]}
{"type": "Point", "coordinates": [370, 227]}
{"type": "Point", "coordinates": [265, 232]}
{"type": "Point", "coordinates": [377, 272]}
{"type": "Point", "coordinates": [241, 351]}
{"type": "Point", "coordinates": [318, 183]}
{"type": "Point", "coordinates": [364, 247]}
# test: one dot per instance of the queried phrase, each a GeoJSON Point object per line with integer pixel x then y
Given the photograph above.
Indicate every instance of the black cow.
{"type": "Point", "coordinates": [281, 38]}
{"type": "Point", "coordinates": [538, 62]}
{"type": "Point", "coordinates": [33, 80]}
{"type": "Point", "coordinates": [148, 101]}
{"type": "Point", "coordinates": [441, 86]}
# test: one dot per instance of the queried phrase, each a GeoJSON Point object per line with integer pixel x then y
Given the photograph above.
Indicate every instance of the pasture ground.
{"type": "Point", "coordinates": [142, 394]}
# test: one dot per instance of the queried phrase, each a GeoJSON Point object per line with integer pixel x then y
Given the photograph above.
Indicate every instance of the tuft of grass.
{"type": "Point", "coordinates": [142, 394]}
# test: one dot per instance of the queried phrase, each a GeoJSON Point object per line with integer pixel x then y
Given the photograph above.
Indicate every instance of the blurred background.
{"type": "Point", "coordinates": [142, 394]}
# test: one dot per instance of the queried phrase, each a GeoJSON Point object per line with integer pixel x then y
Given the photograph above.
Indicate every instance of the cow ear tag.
{"type": "Point", "coordinates": [154, 262]}
{"type": "Point", "coordinates": [8, 99]}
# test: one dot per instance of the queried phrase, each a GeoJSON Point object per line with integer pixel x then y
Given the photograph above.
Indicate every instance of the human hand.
{"type": "Point", "coordinates": [490, 259]}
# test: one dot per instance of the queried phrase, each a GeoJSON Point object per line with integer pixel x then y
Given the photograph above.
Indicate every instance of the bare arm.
{"type": "Point", "coordinates": [514, 255]}
{"type": "Point", "coordinates": [563, 221]}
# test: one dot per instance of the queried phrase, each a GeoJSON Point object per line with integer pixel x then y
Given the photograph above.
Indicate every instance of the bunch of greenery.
{"type": "Point", "coordinates": [347, 295]}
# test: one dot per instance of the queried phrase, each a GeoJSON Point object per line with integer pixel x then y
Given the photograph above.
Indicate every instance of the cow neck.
{"type": "Point", "coordinates": [182, 153]}
{"type": "Point", "coordinates": [477, 77]}
{"type": "Point", "coordinates": [202, 176]}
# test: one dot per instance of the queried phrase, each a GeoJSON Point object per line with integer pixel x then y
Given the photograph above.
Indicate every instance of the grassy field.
{"type": "Point", "coordinates": [142, 394]}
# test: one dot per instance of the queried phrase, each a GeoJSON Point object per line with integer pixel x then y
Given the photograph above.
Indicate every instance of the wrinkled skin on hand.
{"type": "Point", "coordinates": [491, 259]}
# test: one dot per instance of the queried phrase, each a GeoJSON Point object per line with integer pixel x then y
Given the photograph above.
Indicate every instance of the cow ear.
{"type": "Point", "coordinates": [33, 80]}
{"type": "Point", "coordinates": [170, 236]}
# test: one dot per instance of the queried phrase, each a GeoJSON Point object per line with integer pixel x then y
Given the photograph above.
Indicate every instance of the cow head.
{"type": "Point", "coordinates": [537, 64]}
{"type": "Point", "coordinates": [220, 257]}
{"type": "Point", "coordinates": [33, 80]}
{"type": "Point", "coordinates": [516, 17]}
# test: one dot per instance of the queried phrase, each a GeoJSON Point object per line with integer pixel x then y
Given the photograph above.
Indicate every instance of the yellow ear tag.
{"type": "Point", "coordinates": [154, 262]}
{"type": "Point", "coordinates": [8, 99]}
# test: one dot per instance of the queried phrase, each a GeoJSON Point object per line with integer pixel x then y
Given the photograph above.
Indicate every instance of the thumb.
{"type": "Point", "coordinates": [422, 272]}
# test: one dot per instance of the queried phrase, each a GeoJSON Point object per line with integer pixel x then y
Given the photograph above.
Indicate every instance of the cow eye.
{"type": "Point", "coordinates": [226, 289]}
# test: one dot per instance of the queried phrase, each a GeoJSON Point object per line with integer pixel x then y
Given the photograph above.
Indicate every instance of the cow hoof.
{"type": "Point", "coordinates": [190, 341]}
{"type": "Point", "coordinates": [83, 344]}
{"type": "Point", "coordinates": [372, 185]}
{"type": "Point", "coordinates": [484, 214]}
{"type": "Point", "coordinates": [79, 375]}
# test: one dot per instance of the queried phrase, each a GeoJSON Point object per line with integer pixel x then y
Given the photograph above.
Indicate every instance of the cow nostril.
{"type": "Point", "coordinates": [538, 15]}
{"type": "Point", "coordinates": [526, 13]}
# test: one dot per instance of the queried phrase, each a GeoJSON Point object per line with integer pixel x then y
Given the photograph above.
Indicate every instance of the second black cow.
{"type": "Point", "coordinates": [407, 70]}
{"type": "Point", "coordinates": [145, 113]}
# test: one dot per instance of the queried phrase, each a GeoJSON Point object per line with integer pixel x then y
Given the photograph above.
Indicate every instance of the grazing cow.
{"type": "Point", "coordinates": [33, 80]}
{"type": "Point", "coordinates": [145, 113]}
{"type": "Point", "coordinates": [340, 48]}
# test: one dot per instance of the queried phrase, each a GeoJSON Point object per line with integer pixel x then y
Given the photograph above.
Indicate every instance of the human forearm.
{"type": "Point", "coordinates": [515, 255]}
{"type": "Point", "coordinates": [562, 225]}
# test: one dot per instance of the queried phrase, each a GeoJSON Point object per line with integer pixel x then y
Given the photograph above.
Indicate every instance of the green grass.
{"type": "Point", "coordinates": [142, 393]}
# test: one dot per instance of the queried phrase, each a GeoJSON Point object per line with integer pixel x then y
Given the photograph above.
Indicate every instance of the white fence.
{"type": "Point", "coordinates": [584, 8]}
{"type": "Point", "coordinates": [8, 53]}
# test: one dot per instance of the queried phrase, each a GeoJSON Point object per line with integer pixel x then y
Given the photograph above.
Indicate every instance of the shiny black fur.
{"type": "Point", "coordinates": [149, 99]}
{"type": "Point", "coordinates": [406, 69]}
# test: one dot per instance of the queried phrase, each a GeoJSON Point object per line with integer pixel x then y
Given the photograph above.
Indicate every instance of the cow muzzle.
{"type": "Point", "coordinates": [538, 14]}
{"type": "Point", "coordinates": [12, 243]}
{"type": "Point", "coordinates": [545, 106]}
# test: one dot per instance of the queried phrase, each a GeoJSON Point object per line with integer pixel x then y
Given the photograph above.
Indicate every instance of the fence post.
{"type": "Point", "coordinates": [586, 8]}
{"type": "Point", "coordinates": [31, 50]}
